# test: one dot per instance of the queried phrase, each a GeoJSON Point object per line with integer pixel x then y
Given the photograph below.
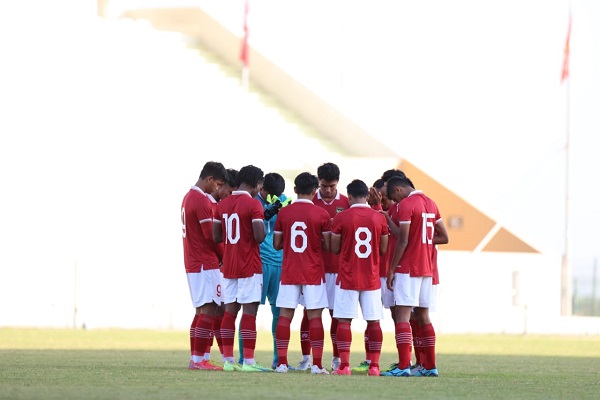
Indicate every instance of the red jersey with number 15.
{"type": "Point", "coordinates": [361, 229]}
{"type": "Point", "coordinates": [302, 225]}
{"type": "Point", "coordinates": [422, 214]}
{"type": "Point", "coordinates": [241, 256]}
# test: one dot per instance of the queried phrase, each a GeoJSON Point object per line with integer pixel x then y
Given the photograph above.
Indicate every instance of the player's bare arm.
{"type": "Point", "coordinates": [440, 235]}
{"type": "Point", "coordinates": [336, 244]}
{"type": "Point", "coordinates": [326, 241]}
{"type": "Point", "coordinates": [258, 228]}
{"type": "Point", "coordinates": [278, 240]}
{"type": "Point", "coordinates": [217, 232]}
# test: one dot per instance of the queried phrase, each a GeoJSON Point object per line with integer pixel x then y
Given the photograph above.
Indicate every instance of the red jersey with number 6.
{"type": "Point", "coordinates": [302, 225]}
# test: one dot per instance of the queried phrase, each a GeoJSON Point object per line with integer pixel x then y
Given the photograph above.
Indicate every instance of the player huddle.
{"type": "Point", "coordinates": [245, 241]}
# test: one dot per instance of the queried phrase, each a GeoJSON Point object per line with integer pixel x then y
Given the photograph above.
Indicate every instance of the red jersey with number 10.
{"type": "Point", "coordinates": [302, 225]}
{"type": "Point", "coordinates": [241, 256]}
{"type": "Point", "coordinates": [360, 228]}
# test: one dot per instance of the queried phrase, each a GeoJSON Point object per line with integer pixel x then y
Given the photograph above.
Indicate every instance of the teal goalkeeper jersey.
{"type": "Point", "coordinates": [268, 254]}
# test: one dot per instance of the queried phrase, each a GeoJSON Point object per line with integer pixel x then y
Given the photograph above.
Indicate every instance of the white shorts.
{"type": "Point", "coordinates": [433, 300]}
{"type": "Point", "coordinates": [412, 291]}
{"type": "Point", "coordinates": [330, 279]}
{"type": "Point", "coordinates": [387, 296]}
{"type": "Point", "coordinates": [205, 286]}
{"type": "Point", "coordinates": [314, 296]}
{"type": "Point", "coordinates": [347, 301]}
{"type": "Point", "coordinates": [243, 290]}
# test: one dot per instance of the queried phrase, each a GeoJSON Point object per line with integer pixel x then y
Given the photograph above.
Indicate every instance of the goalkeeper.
{"type": "Point", "coordinates": [272, 198]}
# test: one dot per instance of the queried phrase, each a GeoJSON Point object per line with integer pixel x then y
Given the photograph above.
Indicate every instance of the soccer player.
{"type": "Point", "coordinates": [329, 198]}
{"type": "Point", "coordinates": [302, 230]}
{"type": "Point", "coordinates": [272, 199]}
{"type": "Point", "coordinates": [240, 227]}
{"type": "Point", "coordinates": [411, 272]}
{"type": "Point", "coordinates": [217, 195]}
{"type": "Point", "coordinates": [202, 258]}
{"type": "Point", "coordinates": [360, 236]}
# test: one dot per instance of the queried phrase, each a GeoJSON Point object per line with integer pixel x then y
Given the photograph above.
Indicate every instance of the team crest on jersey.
{"type": "Point", "coordinates": [339, 210]}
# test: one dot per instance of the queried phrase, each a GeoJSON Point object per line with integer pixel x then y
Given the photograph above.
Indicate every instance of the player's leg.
{"type": "Point", "coordinates": [249, 294]}
{"type": "Point", "coordinates": [372, 312]}
{"type": "Point", "coordinates": [305, 342]}
{"type": "Point", "coordinates": [315, 297]}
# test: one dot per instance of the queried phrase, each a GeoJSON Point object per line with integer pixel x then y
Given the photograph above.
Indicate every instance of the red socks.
{"type": "Point", "coordinates": [317, 339]}
{"type": "Point", "coordinates": [228, 334]}
{"type": "Point", "coordinates": [375, 339]}
{"type": "Point", "coordinates": [304, 335]}
{"type": "Point", "coordinates": [344, 341]}
{"type": "Point", "coordinates": [248, 334]}
{"type": "Point", "coordinates": [282, 339]}
{"type": "Point", "coordinates": [403, 344]}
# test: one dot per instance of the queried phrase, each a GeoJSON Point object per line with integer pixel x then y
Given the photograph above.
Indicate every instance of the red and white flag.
{"type": "Point", "coordinates": [565, 68]}
{"type": "Point", "coordinates": [244, 50]}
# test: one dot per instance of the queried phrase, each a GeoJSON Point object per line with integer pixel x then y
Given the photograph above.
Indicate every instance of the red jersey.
{"type": "Point", "coordinates": [302, 225]}
{"type": "Point", "coordinates": [199, 248]}
{"type": "Point", "coordinates": [361, 229]}
{"type": "Point", "coordinates": [340, 203]}
{"type": "Point", "coordinates": [241, 257]}
{"type": "Point", "coordinates": [422, 214]}
{"type": "Point", "coordinates": [384, 265]}
{"type": "Point", "coordinates": [214, 203]}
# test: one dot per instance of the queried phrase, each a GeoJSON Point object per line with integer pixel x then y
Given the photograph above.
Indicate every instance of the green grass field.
{"type": "Point", "coordinates": [138, 364]}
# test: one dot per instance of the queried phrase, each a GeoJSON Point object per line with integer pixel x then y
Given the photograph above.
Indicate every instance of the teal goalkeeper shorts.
{"type": "Point", "coordinates": [271, 278]}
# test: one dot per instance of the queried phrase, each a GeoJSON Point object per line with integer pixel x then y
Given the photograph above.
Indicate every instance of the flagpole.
{"type": "Point", "coordinates": [566, 284]}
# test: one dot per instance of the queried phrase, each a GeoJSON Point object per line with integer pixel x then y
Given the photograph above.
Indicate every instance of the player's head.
{"type": "Point", "coordinates": [381, 187]}
{"type": "Point", "coordinates": [329, 176]}
{"type": "Point", "coordinates": [328, 172]}
{"type": "Point", "coordinates": [250, 178]}
{"type": "Point", "coordinates": [229, 186]}
{"type": "Point", "coordinates": [212, 176]}
{"type": "Point", "coordinates": [274, 184]}
{"type": "Point", "coordinates": [391, 172]}
{"type": "Point", "coordinates": [394, 172]}
{"type": "Point", "coordinates": [306, 184]}
{"type": "Point", "coordinates": [357, 191]}
{"type": "Point", "coordinates": [399, 188]}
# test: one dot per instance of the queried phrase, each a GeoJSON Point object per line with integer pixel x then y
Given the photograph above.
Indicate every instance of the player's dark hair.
{"type": "Point", "coordinates": [328, 172]}
{"type": "Point", "coordinates": [397, 181]}
{"type": "Point", "coordinates": [391, 172]}
{"type": "Point", "coordinates": [378, 184]}
{"type": "Point", "coordinates": [250, 175]}
{"type": "Point", "coordinates": [395, 172]}
{"type": "Point", "coordinates": [232, 177]}
{"type": "Point", "coordinates": [274, 184]}
{"type": "Point", "coordinates": [357, 188]}
{"type": "Point", "coordinates": [214, 169]}
{"type": "Point", "coordinates": [305, 183]}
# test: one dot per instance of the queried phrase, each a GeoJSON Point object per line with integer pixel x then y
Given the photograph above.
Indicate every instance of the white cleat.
{"type": "Point", "coordinates": [318, 371]}
{"type": "Point", "coordinates": [282, 369]}
{"type": "Point", "coordinates": [304, 365]}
